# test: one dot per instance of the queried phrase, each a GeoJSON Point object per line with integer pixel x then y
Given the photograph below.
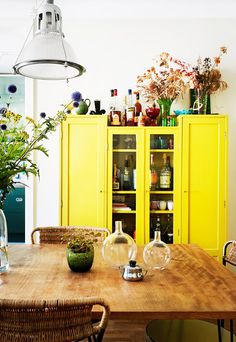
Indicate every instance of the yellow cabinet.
{"type": "Point", "coordinates": [130, 197]}
{"type": "Point", "coordinates": [83, 170]}
{"type": "Point", "coordinates": [204, 181]}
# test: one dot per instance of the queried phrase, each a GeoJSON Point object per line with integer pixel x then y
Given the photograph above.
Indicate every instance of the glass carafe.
{"type": "Point", "coordinates": [119, 247]}
{"type": "Point", "coordinates": [156, 254]}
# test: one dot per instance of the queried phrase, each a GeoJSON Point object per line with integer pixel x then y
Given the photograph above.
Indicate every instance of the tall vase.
{"type": "Point", "coordinates": [165, 105]}
{"type": "Point", "coordinates": [4, 263]}
{"type": "Point", "coordinates": [119, 247]}
{"type": "Point", "coordinates": [201, 101]}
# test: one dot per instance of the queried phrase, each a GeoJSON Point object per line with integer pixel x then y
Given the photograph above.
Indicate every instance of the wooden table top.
{"type": "Point", "coordinates": [194, 285]}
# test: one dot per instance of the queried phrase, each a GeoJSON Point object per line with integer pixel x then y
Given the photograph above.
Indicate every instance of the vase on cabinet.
{"type": "Point", "coordinates": [165, 105]}
{"type": "Point", "coordinates": [4, 262]}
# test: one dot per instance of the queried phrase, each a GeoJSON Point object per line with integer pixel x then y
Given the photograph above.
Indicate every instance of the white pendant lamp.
{"type": "Point", "coordinates": [48, 56]}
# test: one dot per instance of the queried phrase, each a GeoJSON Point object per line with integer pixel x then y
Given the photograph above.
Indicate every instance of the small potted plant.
{"type": "Point", "coordinates": [80, 249]}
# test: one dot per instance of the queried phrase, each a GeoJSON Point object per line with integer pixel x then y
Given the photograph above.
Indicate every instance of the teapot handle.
{"type": "Point", "coordinates": [89, 102]}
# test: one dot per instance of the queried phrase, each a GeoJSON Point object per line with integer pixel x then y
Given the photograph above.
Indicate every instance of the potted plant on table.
{"type": "Point", "coordinates": [80, 248]}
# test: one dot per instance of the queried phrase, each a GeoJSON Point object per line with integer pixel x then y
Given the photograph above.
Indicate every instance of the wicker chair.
{"type": "Point", "coordinates": [229, 257]}
{"type": "Point", "coordinates": [50, 321]}
{"type": "Point", "coordinates": [53, 235]}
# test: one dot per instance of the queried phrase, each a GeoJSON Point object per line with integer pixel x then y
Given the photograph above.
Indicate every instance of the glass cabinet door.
{"type": "Point", "coordinates": [161, 184]}
{"type": "Point", "coordinates": [124, 172]}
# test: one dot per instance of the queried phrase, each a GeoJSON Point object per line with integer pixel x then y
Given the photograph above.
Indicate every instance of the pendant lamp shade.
{"type": "Point", "coordinates": [48, 56]}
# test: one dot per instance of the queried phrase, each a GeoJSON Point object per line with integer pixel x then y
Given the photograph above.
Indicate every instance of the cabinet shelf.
{"type": "Point", "coordinates": [124, 192]}
{"type": "Point", "coordinates": [161, 150]}
{"type": "Point", "coordinates": [161, 211]}
{"type": "Point", "coordinates": [124, 211]}
{"type": "Point", "coordinates": [124, 150]}
{"type": "Point", "coordinates": [162, 192]}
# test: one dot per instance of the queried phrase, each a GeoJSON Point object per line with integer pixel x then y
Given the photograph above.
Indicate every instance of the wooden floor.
{"type": "Point", "coordinates": [133, 331]}
{"type": "Point", "coordinates": [125, 331]}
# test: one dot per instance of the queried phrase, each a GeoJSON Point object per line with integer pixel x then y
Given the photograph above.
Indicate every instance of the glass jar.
{"type": "Point", "coordinates": [156, 254]}
{"type": "Point", "coordinates": [119, 247]}
{"type": "Point", "coordinates": [4, 263]}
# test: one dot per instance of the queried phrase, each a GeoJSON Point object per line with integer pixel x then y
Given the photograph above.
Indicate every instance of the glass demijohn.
{"type": "Point", "coordinates": [156, 254]}
{"type": "Point", "coordinates": [119, 247]}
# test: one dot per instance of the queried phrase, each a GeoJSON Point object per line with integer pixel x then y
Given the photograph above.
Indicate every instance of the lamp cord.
{"type": "Point", "coordinates": [31, 28]}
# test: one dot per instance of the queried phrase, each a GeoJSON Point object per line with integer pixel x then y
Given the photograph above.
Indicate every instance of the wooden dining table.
{"type": "Point", "coordinates": [193, 285]}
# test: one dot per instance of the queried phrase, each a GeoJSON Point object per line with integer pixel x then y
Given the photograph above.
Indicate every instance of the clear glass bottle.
{"type": "Point", "coordinates": [119, 247]}
{"type": "Point", "coordinates": [153, 174]}
{"type": "Point", "coordinates": [130, 109]}
{"type": "Point", "coordinates": [116, 113]}
{"type": "Point", "coordinates": [156, 254]}
{"type": "Point", "coordinates": [4, 263]}
{"type": "Point", "coordinates": [165, 174]}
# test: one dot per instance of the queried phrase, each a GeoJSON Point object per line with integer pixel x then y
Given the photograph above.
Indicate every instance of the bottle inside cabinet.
{"type": "Point", "coordinates": [124, 182]}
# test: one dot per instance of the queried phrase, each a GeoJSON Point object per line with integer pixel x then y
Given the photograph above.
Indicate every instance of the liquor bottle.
{"type": "Point", "coordinates": [116, 183]}
{"type": "Point", "coordinates": [169, 230]}
{"type": "Point", "coordinates": [130, 109]}
{"type": "Point", "coordinates": [126, 180]}
{"type": "Point", "coordinates": [153, 174]}
{"type": "Point", "coordinates": [111, 106]}
{"type": "Point", "coordinates": [158, 224]}
{"type": "Point", "coordinates": [116, 113]}
{"type": "Point", "coordinates": [171, 171]}
{"type": "Point", "coordinates": [165, 174]}
{"type": "Point", "coordinates": [138, 110]}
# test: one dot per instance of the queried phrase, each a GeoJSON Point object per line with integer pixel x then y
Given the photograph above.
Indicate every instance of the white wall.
{"type": "Point", "coordinates": [116, 41]}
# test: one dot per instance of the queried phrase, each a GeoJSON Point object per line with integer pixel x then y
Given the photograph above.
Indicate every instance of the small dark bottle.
{"type": "Point", "coordinates": [138, 109]}
{"type": "Point", "coordinates": [127, 178]}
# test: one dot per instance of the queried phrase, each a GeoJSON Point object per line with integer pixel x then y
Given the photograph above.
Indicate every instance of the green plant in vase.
{"type": "Point", "coordinates": [20, 136]}
{"type": "Point", "coordinates": [164, 82]}
{"type": "Point", "coordinates": [80, 248]}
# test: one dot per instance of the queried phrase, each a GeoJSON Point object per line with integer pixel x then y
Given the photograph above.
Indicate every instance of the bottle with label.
{"type": "Point", "coordinates": [116, 183]}
{"type": "Point", "coordinates": [165, 175]}
{"type": "Point", "coordinates": [115, 113]}
{"type": "Point", "coordinates": [111, 105]}
{"type": "Point", "coordinates": [153, 175]}
{"type": "Point", "coordinates": [126, 180]}
{"type": "Point", "coordinates": [138, 110]}
{"type": "Point", "coordinates": [171, 171]}
{"type": "Point", "coordinates": [130, 109]}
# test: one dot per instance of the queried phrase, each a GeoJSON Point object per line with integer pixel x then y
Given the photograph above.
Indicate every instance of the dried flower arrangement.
{"type": "Point", "coordinates": [206, 76]}
{"type": "Point", "coordinates": [167, 79]}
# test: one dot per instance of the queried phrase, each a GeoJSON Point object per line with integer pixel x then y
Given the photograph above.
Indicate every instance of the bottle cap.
{"type": "Point", "coordinates": [112, 92]}
{"type": "Point", "coordinates": [115, 92]}
{"type": "Point", "coordinates": [129, 91]}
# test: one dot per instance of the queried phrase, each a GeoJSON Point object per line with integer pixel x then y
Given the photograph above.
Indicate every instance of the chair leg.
{"type": "Point", "coordinates": [219, 324]}
{"type": "Point", "coordinates": [231, 324]}
{"type": "Point", "coordinates": [100, 335]}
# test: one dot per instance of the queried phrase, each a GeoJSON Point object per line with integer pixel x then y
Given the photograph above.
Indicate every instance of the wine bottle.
{"type": "Point", "coordinates": [138, 110]}
{"type": "Point", "coordinates": [171, 171]}
{"type": "Point", "coordinates": [165, 174]}
{"type": "Point", "coordinates": [116, 113]}
{"type": "Point", "coordinates": [126, 181]}
{"type": "Point", "coordinates": [153, 174]}
{"type": "Point", "coordinates": [116, 183]}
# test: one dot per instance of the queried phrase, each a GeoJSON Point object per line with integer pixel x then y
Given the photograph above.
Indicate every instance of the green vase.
{"type": "Point", "coordinates": [201, 103]}
{"type": "Point", "coordinates": [165, 105]}
{"type": "Point", "coordinates": [80, 262]}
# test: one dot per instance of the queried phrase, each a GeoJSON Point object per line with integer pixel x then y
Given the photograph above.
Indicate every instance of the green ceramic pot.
{"type": "Point", "coordinates": [80, 262]}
